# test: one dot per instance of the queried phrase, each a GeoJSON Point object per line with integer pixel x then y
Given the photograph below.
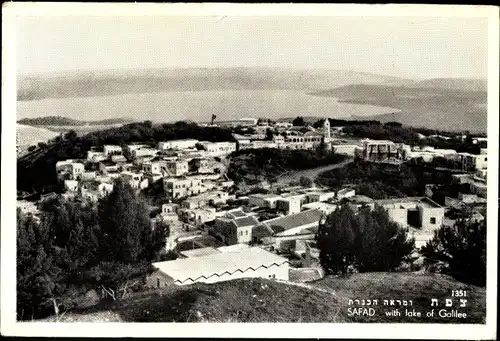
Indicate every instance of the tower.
{"type": "Point", "coordinates": [326, 128]}
{"type": "Point", "coordinates": [326, 134]}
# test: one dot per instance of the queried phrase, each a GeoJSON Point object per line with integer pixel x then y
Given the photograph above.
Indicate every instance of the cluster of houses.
{"type": "Point", "coordinates": [186, 167]}
{"type": "Point", "coordinates": [220, 236]}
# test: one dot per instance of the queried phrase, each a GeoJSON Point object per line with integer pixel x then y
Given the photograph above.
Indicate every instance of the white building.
{"type": "Point", "coordinates": [109, 150]}
{"type": "Point", "coordinates": [218, 148]}
{"type": "Point", "coordinates": [182, 187]}
{"type": "Point", "coordinates": [176, 168]}
{"type": "Point", "coordinates": [177, 144]}
{"type": "Point", "coordinates": [70, 185]}
{"type": "Point", "coordinates": [291, 203]}
{"type": "Point", "coordinates": [263, 200]}
{"type": "Point", "coordinates": [69, 170]}
{"type": "Point", "coordinates": [227, 264]}
{"type": "Point", "coordinates": [136, 180]}
{"type": "Point", "coordinates": [345, 193]}
{"type": "Point", "coordinates": [95, 157]}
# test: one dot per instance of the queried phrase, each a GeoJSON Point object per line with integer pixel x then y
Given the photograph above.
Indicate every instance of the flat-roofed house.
{"type": "Point", "coordinates": [263, 200]}
{"type": "Point", "coordinates": [218, 148]}
{"type": "Point", "coordinates": [345, 193]}
{"type": "Point", "coordinates": [358, 201]}
{"type": "Point", "coordinates": [291, 203]}
{"type": "Point", "coordinates": [110, 150]}
{"type": "Point", "coordinates": [177, 144]}
{"type": "Point", "coordinates": [421, 214]}
{"type": "Point", "coordinates": [182, 187]}
{"type": "Point", "coordinates": [69, 170]}
{"type": "Point", "coordinates": [212, 267]}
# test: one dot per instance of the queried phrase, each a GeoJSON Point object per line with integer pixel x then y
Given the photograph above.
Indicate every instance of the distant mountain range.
{"type": "Point", "coordinates": [115, 82]}
{"type": "Point", "coordinates": [65, 121]}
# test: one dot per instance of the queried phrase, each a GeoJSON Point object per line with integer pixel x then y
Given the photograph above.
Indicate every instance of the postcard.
{"type": "Point", "coordinates": [249, 170]}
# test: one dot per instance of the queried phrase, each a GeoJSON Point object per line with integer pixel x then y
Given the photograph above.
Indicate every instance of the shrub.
{"type": "Point", "coordinates": [460, 251]}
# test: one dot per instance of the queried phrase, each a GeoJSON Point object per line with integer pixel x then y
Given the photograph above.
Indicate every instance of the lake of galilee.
{"type": "Point", "coordinates": [198, 106]}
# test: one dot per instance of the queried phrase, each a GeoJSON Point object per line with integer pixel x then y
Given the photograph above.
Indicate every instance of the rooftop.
{"type": "Point", "coordinates": [204, 267]}
{"type": "Point", "coordinates": [246, 221]}
{"type": "Point", "coordinates": [294, 220]}
{"type": "Point", "coordinates": [362, 199]}
{"type": "Point", "coordinates": [205, 251]}
{"type": "Point", "coordinates": [426, 202]}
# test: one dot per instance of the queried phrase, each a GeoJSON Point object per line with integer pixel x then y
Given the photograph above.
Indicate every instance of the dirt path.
{"type": "Point", "coordinates": [309, 173]}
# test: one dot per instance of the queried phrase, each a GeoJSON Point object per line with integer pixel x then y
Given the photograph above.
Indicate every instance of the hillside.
{"type": "Point", "coordinates": [261, 300]}
{"type": "Point", "coordinates": [65, 121]}
{"type": "Point", "coordinates": [441, 105]}
{"type": "Point", "coordinates": [115, 82]}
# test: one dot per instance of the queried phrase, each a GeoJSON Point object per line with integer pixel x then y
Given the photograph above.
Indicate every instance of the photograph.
{"type": "Point", "coordinates": [249, 170]}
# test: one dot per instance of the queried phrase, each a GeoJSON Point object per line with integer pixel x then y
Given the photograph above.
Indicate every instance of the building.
{"type": "Point", "coordinates": [142, 152]}
{"type": "Point", "coordinates": [420, 212]}
{"type": "Point", "coordinates": [96, 157]}
{"type": "Point", "coordinates": [197, 216]}
{"type": "Point", "coordinates": [214, 149]}
{"type": "Point", "coordinates": [176, 168]}
{"type": "Point", "coordinates": [345, 193]}
{"type": "Point", "coordinates": [380, 150]}
{"type": "Point", "coordinates": [325, 207]}
{"type": "Point", "coordinates": [291, 203]}
{"type": "Point", "coordinates": [280, 231]}
{"type": "Point", "coordinates": [152, 167]}
{"type": "Point", "coordinates": [178, 144]}
{"type": "Point", "coordinates": [69, 170]}
{"type": "Point", "coordinates": [319, 196]}
{"type": "Point", "coordinates": [182, 187]}
{"type": "Point", "coordinates": [224, 265]}
{"type": "Point", "coordinates": [355, 202]}
{"type": "Point", "coordinates": [346, 149]}
{"type": "Point", "coordinates": [136, 180]}
{"type": "Point", "coordinates": [263, 200]}
{"type": "Point", "coordinates": [70, 185]}
{"type": "Point", "coordinates": [234, 228]}
{"type": "Point", "coordinates": [203, 199]}
{"type": "Point", "coordinates": [473, 162]}
{"type": "Point", "coordinates": [110, 150]}
{"type": "Point", "coordinates": [27, 207]}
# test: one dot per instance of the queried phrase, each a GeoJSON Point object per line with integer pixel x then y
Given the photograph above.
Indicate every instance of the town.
{"type": "Point", "coordinates": [220, 231]}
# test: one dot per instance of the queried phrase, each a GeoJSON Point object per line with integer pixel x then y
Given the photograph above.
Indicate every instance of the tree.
{"type": "Point", "coordinates": [125, 224]}
{"type": "Point", "coordinates": [299, 121]}
{"type": "Point", "coordinates": [36, 273]}
{"type": "Point", "coordinates": [269, 134]}
{"type": "Point", "coordinates": [337, 241]}
{"type": "Point", "coordinates": [459, 250]}
{"type": "Point", "coordinates": [31, 148]}
{"type": "Point", "coordinates": [366, 241]}
{"type": "Point", "coordinates": [305, 181]}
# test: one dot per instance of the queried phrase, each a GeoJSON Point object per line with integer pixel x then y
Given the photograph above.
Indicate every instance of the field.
{"type": "Point", "coordinates": [260, 300]}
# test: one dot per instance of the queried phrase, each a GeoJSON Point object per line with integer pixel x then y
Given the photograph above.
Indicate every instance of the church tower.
{"type": "Point", "coordinates": [326, 134]}
{"type": "Point", "coordinates": [326, 128]}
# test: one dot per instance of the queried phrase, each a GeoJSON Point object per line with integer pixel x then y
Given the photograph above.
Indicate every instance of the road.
{"type": "Point", "coordinates": [309, 173]}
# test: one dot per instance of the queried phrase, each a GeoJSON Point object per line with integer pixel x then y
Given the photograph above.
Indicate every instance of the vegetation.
{"type": "Point", "coordinates": [79, 246]}
{"type": "Point", "coordinates": [65, 121]}
{"type": "Point", "coordinates": [37, 172]}
{"type": "Point", "coordinates": [362, 242]}
{"type": "Point", "coordinates": [398, 133]}
{"type": "Point", "coordinates": [305, 181]}
{"type": "Point", "coordinates": [262, 300]}
{"type": "Point", "coordinates": [299, 121]}
{"type": "Point", "coordinates": [382, 181]}
{"type": "Point", "coordinates": [266, 164]}
{"type": "Point", "coordinates": [460, 251]}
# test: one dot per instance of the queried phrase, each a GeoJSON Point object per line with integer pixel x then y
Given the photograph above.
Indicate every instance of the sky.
{"type": "Point", "coordinates": [411, 47]}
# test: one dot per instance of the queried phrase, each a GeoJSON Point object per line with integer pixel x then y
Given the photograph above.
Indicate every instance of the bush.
{"type": "Point", "coordinates": [366, 241]}
{"type": "Point", "coordinates": [459, 251]}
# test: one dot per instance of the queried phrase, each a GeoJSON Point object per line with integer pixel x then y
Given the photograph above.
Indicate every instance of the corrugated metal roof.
{"type": "Point", "coordinates": [246, 221]}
